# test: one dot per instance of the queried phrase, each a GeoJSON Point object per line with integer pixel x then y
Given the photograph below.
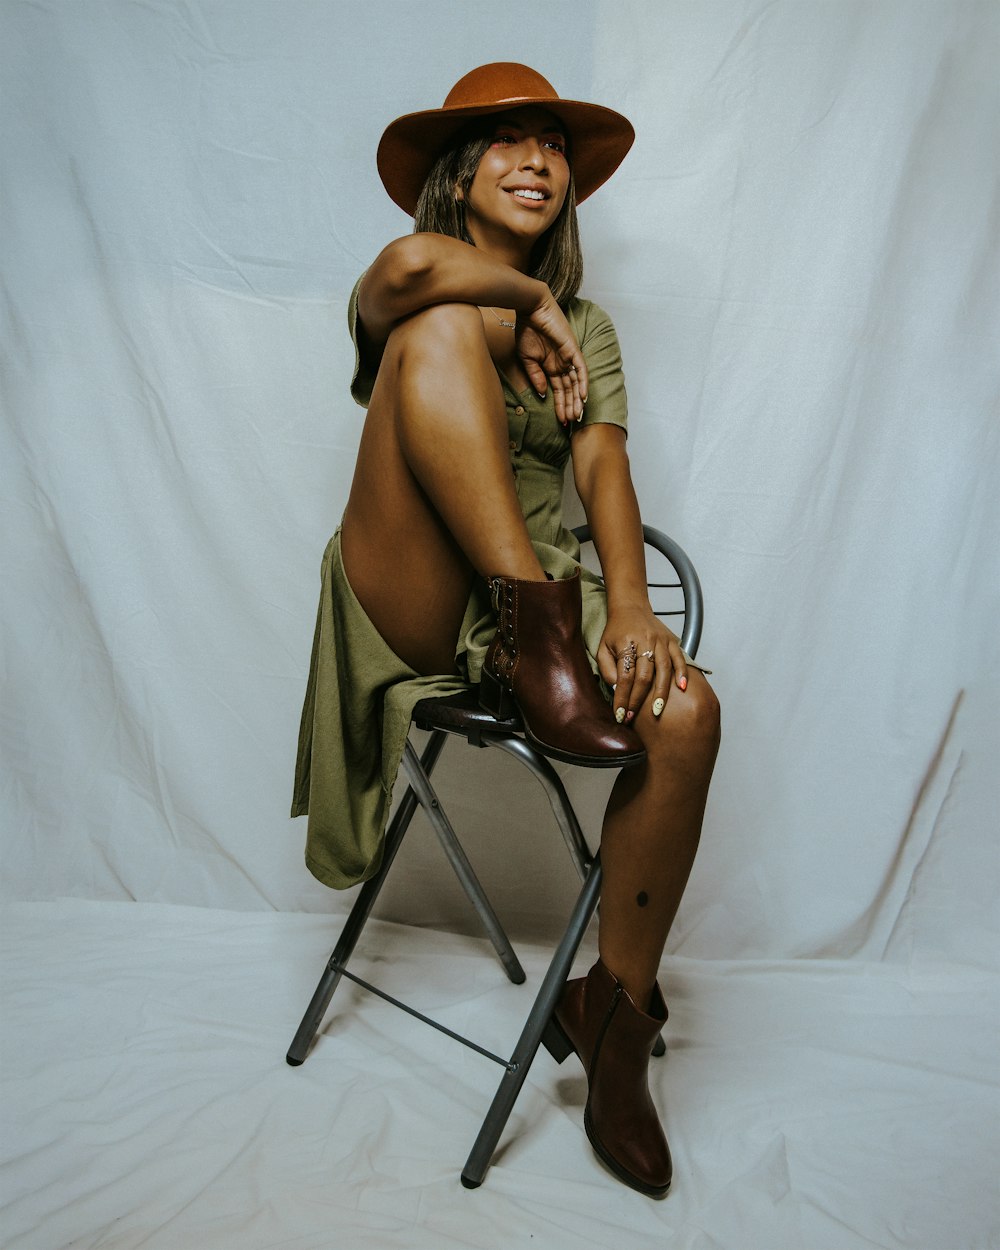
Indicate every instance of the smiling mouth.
{"type": "Point", "coordinates": [522, 193]}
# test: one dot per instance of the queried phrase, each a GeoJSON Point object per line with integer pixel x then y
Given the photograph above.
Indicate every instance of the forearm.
{"type": "Point", "coordinates": [604, 484]}
{"type": "Point", "coordinates": [419, 270]}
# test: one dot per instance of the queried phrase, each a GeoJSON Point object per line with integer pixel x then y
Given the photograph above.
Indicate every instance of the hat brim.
{"type": "Point", "coordinates": [599, 141]}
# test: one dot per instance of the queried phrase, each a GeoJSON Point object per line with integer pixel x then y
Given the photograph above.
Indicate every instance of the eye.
{"type": "Point", "coordinates": [503, 139]}
{"type": "Point", "coordinates": [557, 145]}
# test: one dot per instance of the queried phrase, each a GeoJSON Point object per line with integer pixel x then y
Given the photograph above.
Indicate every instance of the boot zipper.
{"type": "Point", "coordinates": [619, 988]}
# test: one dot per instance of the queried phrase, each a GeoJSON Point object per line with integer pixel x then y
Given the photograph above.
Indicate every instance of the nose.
{"type": "Point", "coordinates": [533, 156]}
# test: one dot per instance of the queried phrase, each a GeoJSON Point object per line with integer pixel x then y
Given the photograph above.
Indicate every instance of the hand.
{"type": "Point", "coordinates": [550, 354]}
{"type": "Point", "coordinates": [640, 657]}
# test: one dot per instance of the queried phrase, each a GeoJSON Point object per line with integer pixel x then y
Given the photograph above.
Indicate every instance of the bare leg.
{"type": "Point", "coordinates": [651, 832]}
{"type": "Point", "coordinates": [433, 497]}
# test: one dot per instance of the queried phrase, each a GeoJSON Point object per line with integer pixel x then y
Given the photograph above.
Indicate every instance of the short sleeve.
{"type": "Point", "coordinates": [363, 377]}
{"type": "Point", "coordinates": [607, 403]}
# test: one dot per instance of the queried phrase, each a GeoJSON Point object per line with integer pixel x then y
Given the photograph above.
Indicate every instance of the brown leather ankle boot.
{"type": "Point", "coordinates": [538, 655]}
{"type": "Point", "coordinates": [614, 1038]}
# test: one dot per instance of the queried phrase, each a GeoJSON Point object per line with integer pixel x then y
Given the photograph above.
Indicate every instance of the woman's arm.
{"type": "Point", "coordinates": [604, 484]}
{"type": "Point", "coordinates": [420, 270]}
{"type": "Point", "coordinates": [423, 269]}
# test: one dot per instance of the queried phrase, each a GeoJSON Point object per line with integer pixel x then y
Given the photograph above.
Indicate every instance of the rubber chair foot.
{"type": "Point", "coordinates": [294, 1063]}
{"type": "Point", "coordinates": [469, 1183]}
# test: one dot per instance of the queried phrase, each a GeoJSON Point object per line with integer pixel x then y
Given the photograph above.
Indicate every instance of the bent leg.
{"type": "Point", "coordinates": [433, 498]}
{"type": "Point", "coordinates": [651, 832]}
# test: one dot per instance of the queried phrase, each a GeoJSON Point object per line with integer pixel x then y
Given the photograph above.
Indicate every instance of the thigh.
{"type": "Point", "coordinates": [408, 572]}
{"type": "Point", "coordinates": [433, 498]}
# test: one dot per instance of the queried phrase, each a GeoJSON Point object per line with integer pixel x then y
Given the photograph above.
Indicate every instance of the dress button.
{"type": "Point", "coordinates": [519, 410]}
{"type": "Point", "coordinates": [512, 445]}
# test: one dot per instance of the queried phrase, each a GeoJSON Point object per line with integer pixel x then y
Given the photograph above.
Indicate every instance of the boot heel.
{"type": "Point", "coordinates": [555, 1041]}
{"type": "Point", "coordinates": [495, 698]}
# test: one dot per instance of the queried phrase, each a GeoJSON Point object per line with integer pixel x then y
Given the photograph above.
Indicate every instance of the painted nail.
{"type": "Point", "coordinates": [683, 683]}
{"type": "Point", "coordinates": [619, 714]}
{"type": "Point", "coordinates": [629, 716]}
{"type": "Point", "coordinates": [658, 706]}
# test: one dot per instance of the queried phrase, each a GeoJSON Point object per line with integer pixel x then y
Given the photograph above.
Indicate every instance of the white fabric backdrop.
{"type": "Point", "coordinates": [801, 257]}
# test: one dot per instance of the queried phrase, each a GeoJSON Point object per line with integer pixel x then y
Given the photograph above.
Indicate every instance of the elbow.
{"type": "Point", "coordinates": [405, 264]}
{"type": "Point", "coordinates": [393, 287]}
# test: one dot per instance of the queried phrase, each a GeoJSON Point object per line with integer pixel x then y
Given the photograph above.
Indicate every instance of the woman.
{"type": "Point", "coordinates": [483, 373]}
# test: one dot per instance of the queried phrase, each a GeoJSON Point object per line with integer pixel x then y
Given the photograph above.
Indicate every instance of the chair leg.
{"type": "Point", "coordinates": [563, 811]}
{"type": "Point", "coordinates": [531, 1035]}
{"type": "Point", "coordinates": [361, 910]}
{"type": "Point", "coordinates": [555, 792]}
{"type": "Point", "coordinates": [421, 784]}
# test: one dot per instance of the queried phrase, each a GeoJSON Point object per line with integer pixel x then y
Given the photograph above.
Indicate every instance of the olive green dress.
{"type": "Point", "coordinates": [360, 694]}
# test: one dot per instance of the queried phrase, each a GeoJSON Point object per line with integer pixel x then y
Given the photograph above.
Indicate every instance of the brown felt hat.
{"type": "Point", "coordinates": [411, 144]}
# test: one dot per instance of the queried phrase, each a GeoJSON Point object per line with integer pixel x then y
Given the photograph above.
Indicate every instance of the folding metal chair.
{"type": "Point", "coordinates": [461, 715]}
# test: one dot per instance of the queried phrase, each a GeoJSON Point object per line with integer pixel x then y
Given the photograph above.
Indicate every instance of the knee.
{"type": "Point", "coordinates": [691, 722]}
{"type": "Point", "coordinates": [706, 712]}
{"type": "Point", "coordinates": [700, 722]}
{"type": "Point", "coordinates": [703, 704]}
{"type": "Point", "coordinates": [441, 328]}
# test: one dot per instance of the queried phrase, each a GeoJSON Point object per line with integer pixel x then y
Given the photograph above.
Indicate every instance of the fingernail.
{"type": "Point", "coordinates": [629, 716]}
{"type": "Point", "coordinates": [619, 714]}
{"type": "Point", "coordinates": [658, 706]}
{"type": "Point", "coordinates": [683, 683]}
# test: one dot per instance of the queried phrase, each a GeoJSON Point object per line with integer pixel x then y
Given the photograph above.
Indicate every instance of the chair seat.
{"type": "Point", "coordinates": [461, 713]}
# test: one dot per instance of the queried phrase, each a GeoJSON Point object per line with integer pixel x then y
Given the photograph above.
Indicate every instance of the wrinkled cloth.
{"type": "Point", "coordinates": [360, 695]}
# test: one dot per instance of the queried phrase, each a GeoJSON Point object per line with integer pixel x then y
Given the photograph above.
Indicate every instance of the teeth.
{"type": "Point", "coordinates": [530, 195]}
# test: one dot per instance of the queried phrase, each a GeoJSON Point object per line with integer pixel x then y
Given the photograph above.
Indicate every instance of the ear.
{"type": "Point", "coordinates": [459, 194]}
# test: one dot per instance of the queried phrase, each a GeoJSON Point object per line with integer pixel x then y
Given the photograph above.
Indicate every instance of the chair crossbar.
{"type": "Point", "coordinates": [435, 1024]}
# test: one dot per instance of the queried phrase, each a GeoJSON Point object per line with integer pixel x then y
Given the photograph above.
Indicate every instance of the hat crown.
{"type": "Point", "coordinates": [497, 83]}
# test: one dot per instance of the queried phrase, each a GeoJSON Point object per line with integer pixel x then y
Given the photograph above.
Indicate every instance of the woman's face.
{"type": "Point", "coordinates": [522, 180]}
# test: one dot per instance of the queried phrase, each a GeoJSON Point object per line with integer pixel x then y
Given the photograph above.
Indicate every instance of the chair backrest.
{"type": "Point", "coordinates": [686, 599]}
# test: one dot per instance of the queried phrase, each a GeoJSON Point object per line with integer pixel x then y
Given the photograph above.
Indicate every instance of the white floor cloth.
{"type": "Point", "coordinates": [802, 259]}
{"type": "Point", "coordinates": [810, 1104]}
